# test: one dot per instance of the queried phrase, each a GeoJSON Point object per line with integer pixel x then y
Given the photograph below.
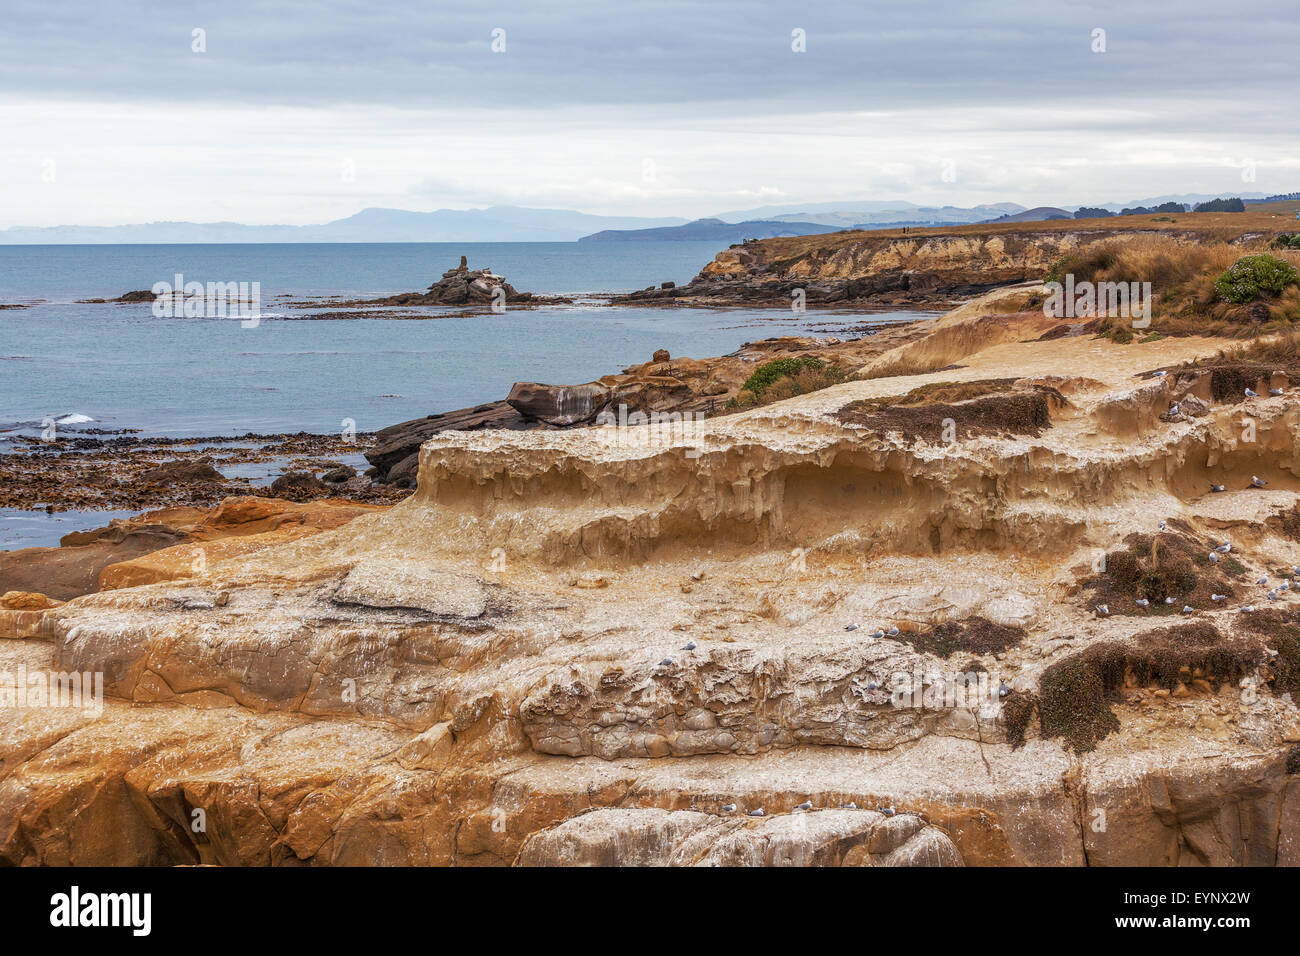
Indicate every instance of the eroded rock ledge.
{"type": "Point", "coordinates": [586, 645]}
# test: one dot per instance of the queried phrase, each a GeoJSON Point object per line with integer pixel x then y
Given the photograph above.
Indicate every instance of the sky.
{"type": "Point", "coordinates": [292, 112]}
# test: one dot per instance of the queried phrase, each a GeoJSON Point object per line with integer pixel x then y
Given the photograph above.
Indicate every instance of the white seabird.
{"type": "Point", "coordinates": [805, 806]}
{"type": "Point", "coordinates": [850, 627]}
{"type": "Point", "coordinates": [1251, 393]}
{"type": "Point", "coordinates": [729, 808]}
{"type": "Point", "coordinates": [1257, 481]}
{"type": "Point", "coordinates": [1141, 602]}
{"type": "Point", "coordinates": [892, 632]}
{"type": "Point", "coordinates": [756, 813]}
{"type": "Point", "coordinates": [1216, 487]}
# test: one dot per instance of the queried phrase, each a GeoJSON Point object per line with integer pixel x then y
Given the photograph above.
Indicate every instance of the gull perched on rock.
{"type": "Point", "coordinates": [1103, 610]}
{"type": "Point", "coordinates": [1141, 602]}
{"type": "Point", "coordinates": [1272, 595]}
{"type": "Point", "coordinates": [1160, 374]}
{"type": "Point", "coordinates": [849, 806]}
{"type": "Point", "coordinates": [689, 646]}
{"type": "Point", "coordinates": [1248, 607]}
{"type": "Point", "coordinates": [757, 813]}
{"type": "Point", "coordinates": [850, 627]}
{"type": "Point", "coordinates": [1216, 487]}
{"type": "Point", "coordinates": [1214, 558]}
{"type": "Point", "coordinates": [805, 806]}
{"type": "Point", "coordinates": [1296, 570]}
{"type": "Point", "coordinates": [888, 811]}
{"type": "Point", "coordinates": [1224, 548]}
{"type": "Point", "coordinates": [892, 632]}
{"type": "Point", "coordinates": [1174, 409]}
{"type": "Point", "coordinates": [1262, 581]}
{"type": "Point", "coordinates": [666, 662]}
{"type": "Point", "coordinates": [1251, 393]}
{"type": "Point", "coordinates": [1218, 597]}
{"type": "Point", "coordinates": [1275, 391]}
{"type": "Point", "coordinates": [1169, 600]}
{"type": "Point", "coordinates": [1162, 525]}
{"type": "Point", "coordinates": [1003, 689]}
{"type": "Point", "coordinates": [877, 633]}
{"type": "Point", "coordinates": [1188, 609]}
{"type": "Point", "coordinates": [1257, 481]}
{"type": "Point", "coordinates": [729, 808]}
{"type": "Point", "coordinates": [1284, 586]}
{"type": "Point", "coordinates": [872, 685]}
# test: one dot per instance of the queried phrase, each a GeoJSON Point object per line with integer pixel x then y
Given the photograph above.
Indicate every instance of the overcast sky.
{"type": "Point", "coordinates": [303, 112]}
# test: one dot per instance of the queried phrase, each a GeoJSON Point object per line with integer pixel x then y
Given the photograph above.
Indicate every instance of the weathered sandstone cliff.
{"type": "Point", "coordinates": [614, 645]}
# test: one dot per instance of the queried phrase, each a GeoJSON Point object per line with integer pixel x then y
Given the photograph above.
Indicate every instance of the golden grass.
{"type": "Point", "coordinates": [1182, 274]}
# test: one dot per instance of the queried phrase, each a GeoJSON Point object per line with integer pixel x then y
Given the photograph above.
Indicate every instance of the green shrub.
{"type": "Point", "coordinates": [1288, 240]}
{"type": "Point", "coordinates": [1253, 277]}
{"type": "Point", "coordinates": [768, 373]}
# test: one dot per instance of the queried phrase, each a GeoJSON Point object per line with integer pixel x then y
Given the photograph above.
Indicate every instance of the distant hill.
{"type": "Point", "coordinates": [713, 230]}
{"type": "Point", "coordinates": [1037, 214]}
{"type": "Point", "coordinates": [492, 224]}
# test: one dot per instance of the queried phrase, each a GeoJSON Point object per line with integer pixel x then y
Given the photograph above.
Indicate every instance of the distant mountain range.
{"type": "Point", "coordinates": [713, 230]}
{"type": "Point", "coordinates": [523, 224]}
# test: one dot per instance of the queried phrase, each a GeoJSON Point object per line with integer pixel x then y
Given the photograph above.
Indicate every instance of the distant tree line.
{"type": "Point", "coordinates": [1213, 205]}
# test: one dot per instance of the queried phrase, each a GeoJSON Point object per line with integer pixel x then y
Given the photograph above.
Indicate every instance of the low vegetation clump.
{"type": "Point", "coordinates": [1256, 277]}
{"type": "Point", "coordinates": [1288, 240]}
{"type": "Point", "coordinates": [974, 635]}
{"type": "Point", "coordinates": [1006, 411]}
{"type": "Point", "coordinates": [1017, 712]}
{"type": "Point", "coordinates": [1173, 564]}
{"type": "Point", "coordinates": [784, 378]}
{"type": "Point", "coordinates": [1076, 694]}
{"type": "Point", "coordinates": [1281, 629]}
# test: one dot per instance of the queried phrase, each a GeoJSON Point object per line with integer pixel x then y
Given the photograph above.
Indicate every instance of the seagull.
{"type": "Point", "coordinates": [1262, 581]}
{"type": "Point", "coordinates": [850, 806]}
{"type": "Point", "coordinates": [1174, 409]}
{"type": "Point", "coordinates": [877, 633]}
{"type": "Point", "coordinates": [756, 813]}
{"type": "Point", "coordinates": [1141, 602]}
{"type": "Point", "coordinates": [1218, 597]}
{"type": "Point", "coordinates": [1275, 391]}
{"type": "Point", "coordinates": [1160, 374]}
{"type": "Point", "coordinates": [888, 811]}
{"type": "Point", "coordinates": [1103, 610]}
{"type": "Point", "coordinates": [850, 627]}
{"type": "Point", "coordinates": [1272, 595]}
{"type": "Point", "coordinates": [805, 806]}
{"type": "Point", "coordinates": [1169, 600]}
{"type": "Point", "coordinates": [1296, 570]}
{"type": "Point", "coordinates": [1257, 481]}
{"type": "Point", "coordinates": [892, 632]}
{"type": "Point", "coordinates": [1216, 487]}
{"type": "Point", "coordinates": [689, 646]}
{"type": "Point", "coordinates": [1284, 586]}
{"type": "Point", "coordinates": [1003, 689]}
{"type": "Point", "coordinates": [1188, 609]}
{"type": "Point", "coordinates": [1162, 525]}
{"type": "Point", "coordinates": [872, 685]}
{"type": "Point", "coordinates": [1249, 607]}
{"type": "Point", "coordinates": [729, 808]}
{"type": "Point", "coordinates": [1251, 393]}
{"type": "Point", "coordinates": [1214, 558]}
{"type": "Point", "coordinates": [666, 662]}
{"type": "Point", "coordinates": [1224, 548]}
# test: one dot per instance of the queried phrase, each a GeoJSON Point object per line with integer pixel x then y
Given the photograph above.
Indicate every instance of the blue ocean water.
{"type": "Point", "coordinates": [124, 368]}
